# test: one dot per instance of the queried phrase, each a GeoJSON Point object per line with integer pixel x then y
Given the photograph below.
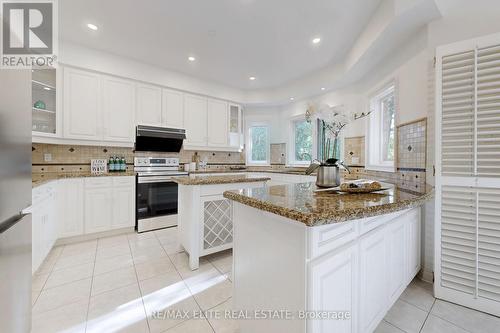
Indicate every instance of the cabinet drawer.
{"type": "Point", "coordinates": [98, 181]}
{"type": "Point", "coordinates": [371, 223]}
{"type": "Point", "coordinates": [323, 239]}
{"type": "Point", "coordinates": [124, 181]}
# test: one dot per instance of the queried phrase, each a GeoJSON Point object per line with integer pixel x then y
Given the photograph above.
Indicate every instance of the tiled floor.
{"type": "Point", "coordinates": [116, 284]}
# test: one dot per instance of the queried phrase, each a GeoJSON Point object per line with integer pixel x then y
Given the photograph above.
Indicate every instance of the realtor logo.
{"type": "Point", "coordinates": [28, 33]}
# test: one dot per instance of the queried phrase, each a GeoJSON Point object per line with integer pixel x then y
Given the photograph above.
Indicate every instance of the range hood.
{"type": "Point", "coordinates": [149, 138]}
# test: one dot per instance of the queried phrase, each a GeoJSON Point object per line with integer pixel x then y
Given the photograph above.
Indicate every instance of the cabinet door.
{"type": "Point", "coordinates": [118, 109]}
{"type": "Point", "coordinates": [235, 125]}
{"type": "Point", "coordinates": [82, 107]}
{"type": "Point", "coordinates": [373, 280]}
{"type": "Point", "coordinates": [148, 105]}
{"type": "Point", "coordinates": [195, 120]}
{"type": "Point", "coordinates": [173, 108]}
{"type": "Point", "coordinates": [123, 206]}
{"type": "Point", "coordinates": [396, 258]}
{"type": "Point", "coordinates": [70, 203]}
{"type": "Point", "coordinates": [413, 244]}
{"type": "Point", "coordinates": [335, 274]}
{"type": "Point", "coordinates": [218, 123]}
{"type": "Point", "coordinates": [97, 209]}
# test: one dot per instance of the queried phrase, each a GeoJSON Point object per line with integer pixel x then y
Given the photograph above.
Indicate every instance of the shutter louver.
{"type": "Point", "coordinates": [488, 112]}
{"type": "Point", "coordinates": [458, 114]}
{"type": "Point", "coordinates": [458, 239]}
{"type": "Point", "coordinates": [489, 244]}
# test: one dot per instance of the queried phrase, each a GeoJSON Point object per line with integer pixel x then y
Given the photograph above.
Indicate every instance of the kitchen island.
{"type": "Point", "coordinates": [322, 261]}
{"type": "Point", "coordinates": [205, 217]}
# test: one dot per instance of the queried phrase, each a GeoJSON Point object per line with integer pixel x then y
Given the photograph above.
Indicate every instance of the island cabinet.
{"type": "Point", "coordinates": [338, 277]}
{"type": "Point", "coordinates": [205, 218]}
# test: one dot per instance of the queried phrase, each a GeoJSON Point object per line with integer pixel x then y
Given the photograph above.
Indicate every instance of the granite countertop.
{"type": "Point", "coordinates": [299, 202]}
{"type": "Point", "coordinates": [214, 180]}
{"type": "Point", "coordinates": [222, 171]}
{"type": "Point", "coordinates": [38, 179]}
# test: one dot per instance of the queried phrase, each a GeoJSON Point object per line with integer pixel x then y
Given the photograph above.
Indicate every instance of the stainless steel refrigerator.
{"type": "Point", "coordinates": [15, 199]}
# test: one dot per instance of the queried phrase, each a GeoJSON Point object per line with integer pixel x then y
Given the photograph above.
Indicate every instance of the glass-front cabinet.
{"type": "Point", "coordinates": [44, 102]}
{"type": "Point", "coordinates": [235, 126]}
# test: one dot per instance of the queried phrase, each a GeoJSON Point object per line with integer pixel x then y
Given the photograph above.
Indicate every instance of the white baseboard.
{"type": "Point", "coordinates": [427, 276]}
{"type": "Point", "coordinates": [83, 238]}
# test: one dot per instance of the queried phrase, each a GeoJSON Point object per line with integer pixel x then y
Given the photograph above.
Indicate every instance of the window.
{"type": "Point", "coordinates": [381, 129]}
{"type": "Point", "coordinates": [258, 145]}
{"type": "Point", "coordinates": [301, 141]}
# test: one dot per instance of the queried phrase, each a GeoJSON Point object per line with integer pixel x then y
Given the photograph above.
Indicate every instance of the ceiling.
{"type": "Point", "coordinates": [230, 39]}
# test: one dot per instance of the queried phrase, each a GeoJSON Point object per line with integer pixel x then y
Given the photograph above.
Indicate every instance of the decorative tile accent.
{"type": "Point", "coordinates": [412, 145]}
{"type": "Point", "coordinates": [278, 153]}
{"type": "Point", "coordinates": [354, 151]}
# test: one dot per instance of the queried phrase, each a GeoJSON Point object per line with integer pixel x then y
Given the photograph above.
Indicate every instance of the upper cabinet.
{"type": "Point", "coordinates": [218, 124]}
{"type": "Point", "coordinates": [118, 109]}
{"type": "Point", "coordinates": [195, 120]}
{"type": "Point", "coordinates": [173, 108]}
{"type": "Point", "coordinates": [45, 97]}
{"type": "Point", "coordinates": [104, 109]}
{"type": "Point", "coordinates": [82, 107]}
{"type": "Point", "coordinates": [149, 105]}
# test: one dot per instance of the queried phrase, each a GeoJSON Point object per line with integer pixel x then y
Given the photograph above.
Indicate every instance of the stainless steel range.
{"type": "Point", "coordinates": [156, 197]}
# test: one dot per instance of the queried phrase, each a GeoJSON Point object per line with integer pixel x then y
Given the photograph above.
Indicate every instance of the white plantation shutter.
{"type": "Point", "coordinates": [468, 174]}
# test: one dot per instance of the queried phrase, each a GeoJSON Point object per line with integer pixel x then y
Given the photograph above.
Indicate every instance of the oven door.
{"type": "Point", "coordinates": [156, 200]}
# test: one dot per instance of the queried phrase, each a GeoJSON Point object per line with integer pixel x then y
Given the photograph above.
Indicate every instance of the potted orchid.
{"type": "Point", "coordinates": [330, 121]}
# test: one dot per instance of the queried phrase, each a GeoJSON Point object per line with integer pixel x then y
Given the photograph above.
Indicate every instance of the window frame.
{"type": "Point", "coordinates": [291, 161]}
{"type": "Point", "coordinates": [248, 147]}
{"type": "Point", "coordinates": [374, 129]}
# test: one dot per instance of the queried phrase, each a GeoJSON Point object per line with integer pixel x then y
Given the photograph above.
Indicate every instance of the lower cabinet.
{"type": "Point", "coordinates": [70, 207]}
{"type": "Point", "coordinates": [123, 203]}
{"type": "Point", "coordinates": [44, 223]}
{"type": "Point", "coordinates": [98, 209]}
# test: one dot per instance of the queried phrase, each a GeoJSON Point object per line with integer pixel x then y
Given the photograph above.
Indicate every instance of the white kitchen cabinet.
{"type": "Point", "coordinates": [118, 109]}
{"type": "Point", "coordinates": [123, 202]}
{"type": "Point", "coordinates": [235, 126]}
{"type": "Point", "coordinates": [44, 220]}
{"type": "Point", "coordinates": [195, 120]}
{"type": "Point", "coordinates": [218, 123]}
{"type": "Point", "coordinates": [334, 274]}
{"type": "Point", "coordinates": [172, 108]}
{"type": "Point", "coordinates": [70, 207]}
{"type": "Point", "coordinates": [149, 105]}
{"type": "Point", "coordinates": [397, 257]}
{"type": "Point", "coordinates": [82, 106]}
{"type": "Point", "coordinates": [98, 212]}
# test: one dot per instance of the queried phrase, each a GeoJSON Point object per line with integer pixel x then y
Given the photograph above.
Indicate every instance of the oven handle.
{"type": "Point", "coordinates": [153, 179]}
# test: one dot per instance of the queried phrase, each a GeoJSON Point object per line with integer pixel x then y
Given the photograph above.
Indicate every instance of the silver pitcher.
{"type": "Point", "coordinates": [328, 174]}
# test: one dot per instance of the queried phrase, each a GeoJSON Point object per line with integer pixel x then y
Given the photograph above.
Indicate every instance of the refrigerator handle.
{"type": "Point", "coordinates": [11, 221]}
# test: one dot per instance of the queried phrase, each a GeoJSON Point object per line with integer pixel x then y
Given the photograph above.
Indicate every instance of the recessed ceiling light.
{"type": "Point", "coordinates": [292, 98]}
{"type": "Point", "coordinates": [46, 88]}
{"type": "Point", "coordinates": [316, 40]}
{"type": "Point", "coordinates": [252, 78]}
{"type": "Point", "coordinates": [92, 26]}
{"type": "Point", "coordinates": [191, 58]}
{"type": "Point", "coordinates": [323, 88]}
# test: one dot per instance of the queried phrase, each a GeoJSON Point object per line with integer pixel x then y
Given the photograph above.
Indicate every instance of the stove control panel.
{"type": "Point", "coordinates": [156, 161]}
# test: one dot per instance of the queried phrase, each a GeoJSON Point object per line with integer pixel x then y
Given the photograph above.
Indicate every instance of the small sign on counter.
{"type": "Point", "coordinates": [99, 166]}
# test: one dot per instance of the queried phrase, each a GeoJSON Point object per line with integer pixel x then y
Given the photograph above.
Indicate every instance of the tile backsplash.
{"type": "Point", "coordinates": [354, 151]}
{"type": "Point", "coordinates": [412, 145]}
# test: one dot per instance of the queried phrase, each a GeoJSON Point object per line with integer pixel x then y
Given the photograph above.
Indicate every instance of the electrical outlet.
{"type": "Point", "coordinates": [47, 157]}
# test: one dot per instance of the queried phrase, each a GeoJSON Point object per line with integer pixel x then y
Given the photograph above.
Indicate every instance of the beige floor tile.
{"type": "Point", "coordinates": [112, 241]}
{"type": "Point", "coordinates": [212, 293]}
{"type": "Point", "coordinates": [67, 319]}
{"type": "Point", "coordinates": [68, 275]}
{"type": "Point", "coordinates": [119, 310]}
{"type": "Point", "coordinates": [204, 275]}
{"type": "Point", "coordinates": [468, 319]}
{"type": "Point", "coordinates": [144, 244]}
{"type": "Point", "coordinates": [47, 266]}
{"type": "Point", "coordinates": [38, 281]}
{"type": "Point", "coordinates": [164, 281]}
{"type": "Point", "coordinates": [136, 237]}
{"type": "Point", "coordinates": [155, 267]}
{"type": "Point", "coordinates": [74, 260]}
{"type": "Point", "coordinates": [181, 261]}
{"type": "Point", "coordinates": [79, 248]}
{"type": "Point", "coordinates": [223, 264]}
{"type": "Point", "coordinates": [113, 280]}
{"type": "Point", "coordinates": [221, 323]}
{"type": "Point", "coordinates": [172, 248]}
{"type": "Point", "coordinates": [34, 297]}
{"type": "Point", "coordinates": [112, 264]}
{"type": "Point", "coordinates": [385, 327]}
{"type": "Point", "coordinates": [405, 316]}
{"type": "Point", "coordinates": [435, 324]}
{"type": "Point", "coordinates": [149, 253]}
{"type": "Point", "coordinates": [192, 326]}
{"type": "Point", "coordinates": [167, 235]}
{"type": "Point", "coordinates": [112, 251]}
{"type": "Point", "coordinates": [66, 294]}
{"type": "Point", "coordinates": [416, 294]}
